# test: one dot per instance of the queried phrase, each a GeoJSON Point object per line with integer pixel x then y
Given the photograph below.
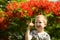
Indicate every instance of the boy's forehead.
{"type": "Point", "coordinates": [39, 18]}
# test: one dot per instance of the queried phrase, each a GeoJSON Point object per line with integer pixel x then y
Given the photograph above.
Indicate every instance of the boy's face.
{"type": "Point", "coordinates": [39, 23]}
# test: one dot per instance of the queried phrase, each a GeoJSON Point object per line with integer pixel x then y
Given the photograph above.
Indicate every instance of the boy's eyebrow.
{"type": "Point", "coordinates": [37, 21]}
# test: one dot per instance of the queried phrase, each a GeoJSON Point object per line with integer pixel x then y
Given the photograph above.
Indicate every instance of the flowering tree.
{"type": "Point", "coordinates": [17, 14]}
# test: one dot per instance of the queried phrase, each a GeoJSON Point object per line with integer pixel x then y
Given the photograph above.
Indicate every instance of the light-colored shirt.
{"type": "Point", "coordinates": [39, 36]}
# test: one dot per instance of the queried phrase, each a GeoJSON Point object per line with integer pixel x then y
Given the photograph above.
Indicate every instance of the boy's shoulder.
{"type": "Point", "coordinates": [34, 32]}
{"type": "Point", "coordinates": [46, 34]}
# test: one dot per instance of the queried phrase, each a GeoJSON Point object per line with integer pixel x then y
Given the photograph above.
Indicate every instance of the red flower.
{"type": "Point", "coordinates": [57, 5]}
{"type": "Point", "coordinates": [3, 25]}
{"type": "Point", "coordinates": [25, 6]}
{"type": "Point", "coordinates": [30, 13]}
{"type": "Point", "coordinates": [37, 4]}
{"type": "Point", "coordinates": [44, 4]}
{"type": "Point", "coordinates": [8, 6]}
{"type": "Point", "coordinates": [56, 13]}
{"type": "Point", "coordinates": [21, 14]}
{"type": "Point", "coordinates": [33, 0]}
{"type": "Point", "coordinates": [12, 6]}
{"type": "Point", "coordinates": [54, 6]}
{"type": "Point", "coordinates": [47, 10]}
{"type": "Point", "coordinates": [20, 4]}
{"type": "Point", "coordinates": [8, 14]}
{"type": "Point", "coordinates": [1, 19]}
{"type": "Point", "coordinates": [31, 3]}
{"type": "Point", "coordinates": [2, 15]}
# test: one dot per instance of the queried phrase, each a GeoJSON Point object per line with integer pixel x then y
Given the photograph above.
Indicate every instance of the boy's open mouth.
{"type": "Point", "coordinates": [38, 26]}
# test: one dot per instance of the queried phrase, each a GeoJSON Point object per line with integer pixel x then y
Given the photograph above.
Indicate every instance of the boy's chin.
{"type": "Point", "coordinates": [38, 26]}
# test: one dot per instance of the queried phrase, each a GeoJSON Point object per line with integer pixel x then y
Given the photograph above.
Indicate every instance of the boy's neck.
{"type": "Point", "coordinates": [41, 30]}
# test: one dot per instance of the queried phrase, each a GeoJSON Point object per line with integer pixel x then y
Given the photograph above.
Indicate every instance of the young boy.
{"type": "Point", "coordinates": [39, 33]}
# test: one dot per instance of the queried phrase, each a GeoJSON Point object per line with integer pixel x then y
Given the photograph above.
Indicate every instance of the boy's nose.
{"type": "Point", "coordinates": [38, 24]}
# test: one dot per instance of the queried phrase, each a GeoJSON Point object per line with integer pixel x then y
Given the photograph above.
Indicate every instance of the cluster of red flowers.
{"type": "Point", "coordinates": [12, 6]}
{"type": "Point", "coordinates": [3, 21]}
{"type": "Point", "coordinates": [45, 5]}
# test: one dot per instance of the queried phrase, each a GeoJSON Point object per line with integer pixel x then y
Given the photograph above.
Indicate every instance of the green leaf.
{"type": "Point", "coordinates": [23, 0]}
{"type": "Point", "coordinates": [19, 0]}
{"type": "Point", "coordinates": [49, 15]}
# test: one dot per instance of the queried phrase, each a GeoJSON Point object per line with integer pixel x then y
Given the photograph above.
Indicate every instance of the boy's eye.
{"type": "Point", "coordinates": [40, 22]}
